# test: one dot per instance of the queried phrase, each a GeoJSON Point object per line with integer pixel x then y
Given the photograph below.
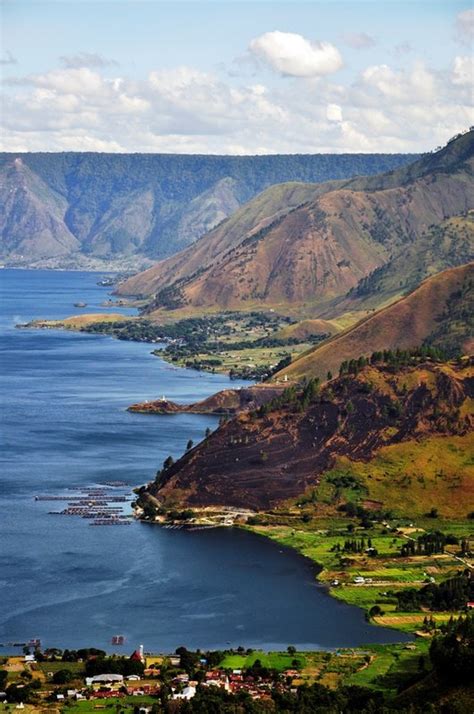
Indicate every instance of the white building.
{"type": "Point", "coordinates": [104, 679]}
{"type": "Point", "coordinates": [187, 693]}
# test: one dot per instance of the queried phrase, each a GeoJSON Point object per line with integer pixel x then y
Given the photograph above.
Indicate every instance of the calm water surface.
{"type": "Point", "coordinates": [64, 424]}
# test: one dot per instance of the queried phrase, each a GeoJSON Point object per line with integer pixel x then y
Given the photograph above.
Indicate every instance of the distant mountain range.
{"type": "Point", "coordinates": [321, 250]}
{"type": "Point", "coordinates": [124, 211]}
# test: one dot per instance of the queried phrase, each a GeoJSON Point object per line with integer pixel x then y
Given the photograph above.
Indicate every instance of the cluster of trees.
{"type": "Point", "coordinates": [393, 358]}
{"type": "Point", "coordinates": [113, 665]}
{"type": "Point", "coordinates": [313, 699]}
{"type": "Point", "coordinates": [56, 655]}
{"type": "Point", "coordinates": [292, 396]}
{"type": "Point", "coordinates": [352, 545]}
{"type": "Point", "coordinates": [452, 594]}
{"type": "Point", "coordinates": [367, 517]}
{"type": "Point", "coordinates": [428, 544]}
{"type": "Point", "coordinates": [452, 653]}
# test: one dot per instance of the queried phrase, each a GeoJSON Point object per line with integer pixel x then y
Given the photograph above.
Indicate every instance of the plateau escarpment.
{"type": "Point", "coordinates": [119, 211]}
{"type": "Point", "coordinates": [261, 459]}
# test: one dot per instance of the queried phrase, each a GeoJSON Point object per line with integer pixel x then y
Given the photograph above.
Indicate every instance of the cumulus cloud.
{"type": "Point", "coordinates": [86, 59]}
{"type": "Point", "coordinates": [8, 58]}
{"type": "Point", "coordinates": [333, 112]}
{"type": "Point", "coordinates": [359, 40]}
{"type": "Point", "coordinates": [464, 27]}
{"type": "Point", "coordinates": [293, 55]}
{"type": "Point", "coordinates": [463, 70]}
{"type": "Point", "coordinates": [414, 86]}
{"type": "Point", "coordinates": [186, 110]}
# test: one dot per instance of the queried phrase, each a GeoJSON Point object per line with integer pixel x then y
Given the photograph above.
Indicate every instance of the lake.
{"type": "Point", "coordinates": [64, 425]}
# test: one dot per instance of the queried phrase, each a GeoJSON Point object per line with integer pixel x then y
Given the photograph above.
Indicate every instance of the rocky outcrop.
{"type": "Point", "coordinates": [228, 401]}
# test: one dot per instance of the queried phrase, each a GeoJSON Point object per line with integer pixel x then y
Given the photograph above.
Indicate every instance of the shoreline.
{"type": "Point", "coordinates": [313, 566]}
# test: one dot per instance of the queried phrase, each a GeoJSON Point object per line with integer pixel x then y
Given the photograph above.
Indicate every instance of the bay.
{"type": "Point", "coordinates": [64, 425]}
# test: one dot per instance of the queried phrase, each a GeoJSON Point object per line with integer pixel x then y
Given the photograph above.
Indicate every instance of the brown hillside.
{"type": "Point", "coordinates": [249, 219]}
{"type": "Point", "coordinates": [259, 460]}
{"type": "Point", "coordinates": [406, 323]}
{"type": "Point", "coordinates": [307, 328]}
{"type": "Point", "coordinates": [301, 246]}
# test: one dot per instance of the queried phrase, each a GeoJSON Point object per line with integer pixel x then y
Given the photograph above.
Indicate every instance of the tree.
{"type": "Point", "coordinates": [452, 655]}
{"type": "Point", "coordinates": [62, 676]}
{"type": "Point", "coordinates": [168, 463]}
{"type": "Point", "coordinates": [291, 650]}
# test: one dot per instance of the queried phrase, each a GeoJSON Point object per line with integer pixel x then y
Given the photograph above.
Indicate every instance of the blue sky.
{"type": "Point", "coordinates": [209, 76]}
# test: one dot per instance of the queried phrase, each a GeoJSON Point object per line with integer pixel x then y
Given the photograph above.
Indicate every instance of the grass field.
{"type": "Point", "coordinates": [93, 705]}
{"type": "Point", "coordinates": [415, 476]}
{"type": "Point", "coordinates": [273, 660]}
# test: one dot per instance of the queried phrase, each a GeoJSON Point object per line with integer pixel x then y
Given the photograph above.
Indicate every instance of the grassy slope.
{"type": "Point", "coordinates": [406, 323]}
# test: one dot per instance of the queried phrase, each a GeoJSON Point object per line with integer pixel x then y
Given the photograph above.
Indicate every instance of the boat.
{"type": "Point", "coordinates": [80, 304]}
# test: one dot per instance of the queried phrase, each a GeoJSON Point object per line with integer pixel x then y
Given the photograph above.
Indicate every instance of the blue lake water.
{"type": "Point", "coordinates": [64, 424]}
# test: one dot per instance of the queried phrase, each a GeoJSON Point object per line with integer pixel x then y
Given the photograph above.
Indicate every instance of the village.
{"type": "Point", "coordinates": [65, 678]}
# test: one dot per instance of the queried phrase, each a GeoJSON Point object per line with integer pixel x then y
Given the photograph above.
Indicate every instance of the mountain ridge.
{"type": "Point", "coordinates": [140, 207]}
{"type": "Point", "coordinates": [304, 247]}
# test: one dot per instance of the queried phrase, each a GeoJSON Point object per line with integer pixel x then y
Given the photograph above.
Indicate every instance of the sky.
{"type": "Point", "coordinates": [238, 77]}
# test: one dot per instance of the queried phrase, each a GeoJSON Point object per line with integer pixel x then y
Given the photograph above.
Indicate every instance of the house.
{"type": "Point", "coordinates": [187, 693]}
{"type": "Point", "coordinates": [358, 580]}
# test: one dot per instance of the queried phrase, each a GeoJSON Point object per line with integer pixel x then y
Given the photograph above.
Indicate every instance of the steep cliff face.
{"type": "Point", "coordinates": [134, 207]}
{"type": "Point", "coordinates": [262, 459]}
{"type": "Point", "coordinates": [32, 215]}
{"type": "Point", "coordinates": [302, 246]}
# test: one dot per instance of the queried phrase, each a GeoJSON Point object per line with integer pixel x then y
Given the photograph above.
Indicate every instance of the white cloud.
{"type": "Point", "coordinates": [359, 40]}
{"type": "Point", "coordinates": [464, 27]}
{"type": "Point", "coordinates": [333, 112]}
{"type": "Point", "coordinates": [463, 70]}
{"type": "Point", "coordinates": [415, 85]}
{"type": "Point", "coordinates": [189, 111]}
{"type": "Point", "coordinates": [295, 56]}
